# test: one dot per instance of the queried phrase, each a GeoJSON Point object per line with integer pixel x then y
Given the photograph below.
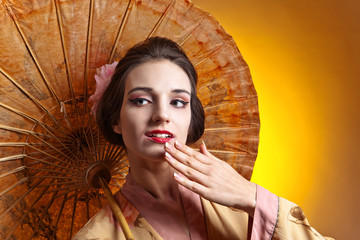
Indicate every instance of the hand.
{"type": "Point", "coordinates": [210, 177]}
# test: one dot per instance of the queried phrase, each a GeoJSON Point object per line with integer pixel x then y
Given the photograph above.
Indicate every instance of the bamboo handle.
{"type": "Point", "coordinates": [116, 210]}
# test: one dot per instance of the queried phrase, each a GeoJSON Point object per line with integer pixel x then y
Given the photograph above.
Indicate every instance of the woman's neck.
{"type": "Point", "coordinates": [157, 179]}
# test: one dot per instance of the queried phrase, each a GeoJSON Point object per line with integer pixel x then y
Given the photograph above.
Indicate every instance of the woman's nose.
{"type": "Point", "coordinates": [160, 113]}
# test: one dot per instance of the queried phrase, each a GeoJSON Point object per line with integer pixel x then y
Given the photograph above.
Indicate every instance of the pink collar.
{"type": "Point", "coordinates": [155, 214]}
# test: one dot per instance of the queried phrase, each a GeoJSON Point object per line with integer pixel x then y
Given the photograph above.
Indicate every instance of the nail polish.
{"type": "Point", "coordinates": [177, 176]}
{"type": "Point", "coordinates": [177, 144]}
{"type": "Point", "coordinates": [168, 146]}
{"type": "Point", "coordinates": [168, 156]}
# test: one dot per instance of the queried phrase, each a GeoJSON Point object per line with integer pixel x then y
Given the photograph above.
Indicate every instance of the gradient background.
{"type": "Point", "coordinates": [305, 64]}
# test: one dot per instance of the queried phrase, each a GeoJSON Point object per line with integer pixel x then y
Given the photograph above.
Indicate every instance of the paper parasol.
{"type": "Point", "coordinates": [49, 143]}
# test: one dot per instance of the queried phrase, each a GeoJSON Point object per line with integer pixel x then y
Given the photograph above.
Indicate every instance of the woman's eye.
{"type": "Point", "coordinates": [139, 101]}
{"type": "Point", "coordinates": [179, 103]}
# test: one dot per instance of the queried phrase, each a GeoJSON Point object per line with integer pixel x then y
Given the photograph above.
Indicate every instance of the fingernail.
{"type": "Point", "coordinates": [168, 156]}
{"type": "Point", "coordinates": [177, 144]}
{"type": "Point", "coordinates": [177, 176]}
{"type": "Point", "coordinates": [168, 146]}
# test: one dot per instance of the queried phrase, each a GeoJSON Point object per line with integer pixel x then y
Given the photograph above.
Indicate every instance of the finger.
{"type": "Point", "coordinates": [188, 172]}
{"type": "Point", "coordinates": [192, 153]}
{"type": "Point", "coordinates": [203, 150]}
{"type": "Point", "coordinates": [191, 185]}
{"type": "Point", "coordinates": [188, 158]}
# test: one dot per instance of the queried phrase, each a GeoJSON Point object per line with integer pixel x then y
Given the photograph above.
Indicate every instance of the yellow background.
{"type": "Point", "coordinates": [304, 57]}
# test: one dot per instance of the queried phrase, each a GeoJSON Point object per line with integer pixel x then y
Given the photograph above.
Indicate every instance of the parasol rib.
{"type": "Point", "coordinates": [49, 153]}
{"type": "Point", "coordinates": [98, 145]}
{"type": "Point", "coordinates": [25, 214]}
{"type": "Point", "coordinates": [20, 113]}
{"type": "Point", "coordinates": [122, 172]}
{"type": "Point", "coordinates": [212, 52]}
{"type": "Point", "coordinates": [216, 81]}
{"type": "Point", "coordinates": [88, 41]}
{"type": "Point", "coordinates": [45, 127]}
{"type": "Point", "coordinates": [11, 158]}
{"type": "Point", "coordinates": [79, 179]}
{"type": "Point", "coordinates": [89, 130]}
{"type": "Point", "coordinates": [118, 178]}
{"type": "Point", "coordinates": [86, 73]}
{"type": "Point", "coordinates": [191, 33]}
{"type": "Point", "coordinates": [14, 186]}
{"type": "Point", "coordinates": [15, 170]}
{"type": "Point", "coordinates": [19, 130]}
{"type": "Point", "coordinates": [52, 164]}
{"type": "Point", "coordinates": [103, 152]}
{"type": "Point", "coordinates": [53, 171]}
{"type": "Point", "coordinates": [87, 209]}
{"type": "Point", "coordinates": [12, 144]}
{"type": "Point", "coordinates": [161, 19]}
{"type": "Point", "coordinates": [244, 124]}
{"type": "Point", "coordinates": [58, 183]}
{"type": "Point", "coordinates": [65, 151]}
{"type": "Point", "coordinates": [28, 95]}
{"type": "Point", "coordinates": [66, 58]}
{"type": "Point", "coordinates": [98, 197]}
{"type": "Point", "coordinates": [57, 177]}
{"type": "Point", "coordinates": [121, 29]}
{"type": "Point", "coordinates": [43, 214]}
{"type": "Point", "coordinates": [20, 198]}
{"type": "Point", "coordinates": [117, 183]}
{"type": "Point", "coordinates": [241, 127]}
{"type": "Point", "coordinates": [69, 189]}
{"type": "Point", "coordinates": [247, 97]}
{"type": "Point", "coordinates": [121, 169]}
{"type": "Point", "coordinates": [67, 174]}
{"type": "Point", "coordinates": [239, 152]}
{"type": "Point", "coordinates": [115, 155]}
{"type": "Point", "coordinates": [59, 215]}
{"type": "Point", "coordinates": [73, 214]}
{"type": "Point", "coordinates": [31, 51]}
{"type": "Point", "coordinates": [63, 193]}
{"type": "Point", "coordinates": [107, 154]}
{"type": "Point", "coordinates": [120, 164]}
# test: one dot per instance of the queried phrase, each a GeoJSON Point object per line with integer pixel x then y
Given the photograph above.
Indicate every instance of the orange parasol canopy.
{"type": "Point", "coordinates": [49, 143]}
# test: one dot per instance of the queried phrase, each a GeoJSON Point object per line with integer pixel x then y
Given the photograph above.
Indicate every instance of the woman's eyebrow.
{"type": "Point", "coordinates": [181, 91]}
{"type": "Point", "coordinates": [145, 89]}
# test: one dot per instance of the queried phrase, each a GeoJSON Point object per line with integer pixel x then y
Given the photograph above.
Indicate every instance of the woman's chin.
{"type": "Point", "coordinates": [159, 154]}
{"type": "Point", "coordinates": [148, 152]}
{"type": "Point", "coordinates": [156, 152]}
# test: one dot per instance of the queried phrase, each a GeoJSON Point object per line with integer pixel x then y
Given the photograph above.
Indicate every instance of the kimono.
{"type": "Point", "coordinates": [274, 218]}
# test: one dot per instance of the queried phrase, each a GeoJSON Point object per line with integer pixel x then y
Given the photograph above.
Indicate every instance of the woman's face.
{"type": "Point", "coordinates": [155, 109]}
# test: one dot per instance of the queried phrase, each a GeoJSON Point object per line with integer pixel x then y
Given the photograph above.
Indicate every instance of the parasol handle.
{"type": "Point", "coordinates": [116, 209]}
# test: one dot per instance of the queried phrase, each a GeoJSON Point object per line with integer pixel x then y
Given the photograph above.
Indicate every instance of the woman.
{"type": "Point", "coordinates": [173, 191]}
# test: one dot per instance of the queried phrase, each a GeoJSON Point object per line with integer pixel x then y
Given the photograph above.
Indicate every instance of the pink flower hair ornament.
{"type": "Point", "coordinates": [103, 78]}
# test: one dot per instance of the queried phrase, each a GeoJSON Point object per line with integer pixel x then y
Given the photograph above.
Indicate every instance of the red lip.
{"type": "Point", "coordinates": [159, 139]}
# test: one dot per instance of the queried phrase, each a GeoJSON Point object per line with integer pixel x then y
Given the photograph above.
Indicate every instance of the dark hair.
{"type": "Point", "coordinates": [155, 48]}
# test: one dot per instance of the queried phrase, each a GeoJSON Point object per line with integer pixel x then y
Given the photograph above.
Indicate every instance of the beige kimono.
{"type": "Point", "coordinates": [221, 223]}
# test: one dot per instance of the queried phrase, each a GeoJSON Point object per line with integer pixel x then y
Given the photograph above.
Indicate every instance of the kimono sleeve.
{"type": "Point", "coordinates": [293, 224]}
{"type": "Point", "coordinates": [279, 219]}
